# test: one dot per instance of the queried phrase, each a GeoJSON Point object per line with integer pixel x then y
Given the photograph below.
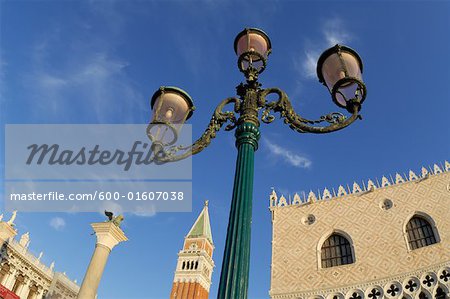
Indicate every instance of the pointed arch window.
{"type": "Point", "coordinates": [336, 251]}
{"type": "Point", "coordinates": [420, 233]}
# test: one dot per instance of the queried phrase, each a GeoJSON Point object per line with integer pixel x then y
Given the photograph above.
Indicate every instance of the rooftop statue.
{"type": "Point", "coordinates": [116, 220]}
{"type": "Point", "coordinates": [25, 240]}
{"type": "Point", "coordinates": [13, 217]}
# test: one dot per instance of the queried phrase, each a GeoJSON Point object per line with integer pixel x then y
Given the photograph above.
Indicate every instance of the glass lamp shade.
{"type": "Point", "coordinates": [340, 70]}
{"type": "Point", "coordinates": [171, 104]}
{"type": "Point", "coordinates": [252, 40]}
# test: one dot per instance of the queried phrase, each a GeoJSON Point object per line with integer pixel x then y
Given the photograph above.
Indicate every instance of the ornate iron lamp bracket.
{"type": "Point", "coordinates": [218, 119]}
{"type": "Point", "coordinates": [335, 120]}
{"type": "Point", "coordinates": [250, 69]}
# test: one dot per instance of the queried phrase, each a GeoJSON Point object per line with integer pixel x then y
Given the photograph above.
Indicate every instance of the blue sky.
{"type": "Point", "coordinates": [100, 61]}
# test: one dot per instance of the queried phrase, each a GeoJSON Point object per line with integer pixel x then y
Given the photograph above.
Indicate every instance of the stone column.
{"type": "Point", "coordinates": [34, 290]}
{"type": "Point", "coordinates": [38, 294]}
{"type": "Point", "coordinates": [25, 288]}
{"type": "Point", "coordinates": [108, 235]}
{"type": "Point", "coordinates": [4, 278]}
{"type": "Point", "coordinates": [11, 278]}
{"type": "Point", "coordinates": [21, 286]}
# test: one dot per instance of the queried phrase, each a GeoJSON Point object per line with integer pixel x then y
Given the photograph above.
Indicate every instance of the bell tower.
{"type": "Point", "coordinates": [195, 264]}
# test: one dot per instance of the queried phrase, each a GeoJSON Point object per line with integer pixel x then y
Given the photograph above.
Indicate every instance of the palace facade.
{"type": "Point", "coordinates": [23, 275]}
{"type": "Point", "coordinates": [387, 238]}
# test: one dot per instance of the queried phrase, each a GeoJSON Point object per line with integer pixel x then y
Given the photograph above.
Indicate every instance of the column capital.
{"type": "Point", "coordinates": [247, 132]}
{"type": "Point", "coordinates": [108, 234]}
{"type": "Point", "coordinates": [7, 231]}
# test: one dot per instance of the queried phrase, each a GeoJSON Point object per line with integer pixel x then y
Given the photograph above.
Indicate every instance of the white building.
{"type": "Point", "coordinates": [23, 275]}
{"type": "Point", "coordinates": [377, 239]}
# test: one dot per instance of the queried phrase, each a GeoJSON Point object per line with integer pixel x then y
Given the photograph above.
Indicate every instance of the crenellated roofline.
{"type": "Point", "coordinates": [371, 185]}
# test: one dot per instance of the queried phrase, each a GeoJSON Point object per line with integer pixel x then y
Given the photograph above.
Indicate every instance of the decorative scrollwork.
{"type": "Point", "coordinates": [332, 118]}
{"type": "Point", "coordinates": [266, 117]}
{"type": "Point", "coordinates": [282, 105]}
{"type": "Point", "coordinates": [218, 119]}
{"type": "Point", "coordinates": [250, 66]}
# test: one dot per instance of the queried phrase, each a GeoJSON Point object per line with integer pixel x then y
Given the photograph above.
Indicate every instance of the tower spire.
{"type": "Point", "coordinates": [202, 226]}
{"type": "Point", "coordinates": [195, 264]}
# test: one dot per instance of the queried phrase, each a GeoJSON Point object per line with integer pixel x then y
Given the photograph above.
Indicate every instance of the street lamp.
{"type": "Point", "coordinates": [171, 107]}
{"type": "Point", "coordinates": [339, 69]}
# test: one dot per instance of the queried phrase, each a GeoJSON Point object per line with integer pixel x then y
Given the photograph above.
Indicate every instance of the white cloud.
{"type": "Point", "coordinates": [97, 81]}
{"type": "Point", "coordinates": [58, 223]}
{"type": "Point", "coordinates": [333, 32]}
{"type": "Point", "coordinates": [144, 211]}
{"type": "Point", "coordinates": [48, 81]}
{"type": "Point", "coordinates": [92, 81]}
{"type": "Point", "coordinates": [288, 156]}
{"type": "Point", "coordinates": [310, 62]}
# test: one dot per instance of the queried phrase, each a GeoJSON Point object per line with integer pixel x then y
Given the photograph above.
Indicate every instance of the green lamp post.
{"type": "Point", "coordinates": [339, 69]}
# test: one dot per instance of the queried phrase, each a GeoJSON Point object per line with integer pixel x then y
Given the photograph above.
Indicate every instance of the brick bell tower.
{"type": "Point", "coordinates": [195, 264]}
